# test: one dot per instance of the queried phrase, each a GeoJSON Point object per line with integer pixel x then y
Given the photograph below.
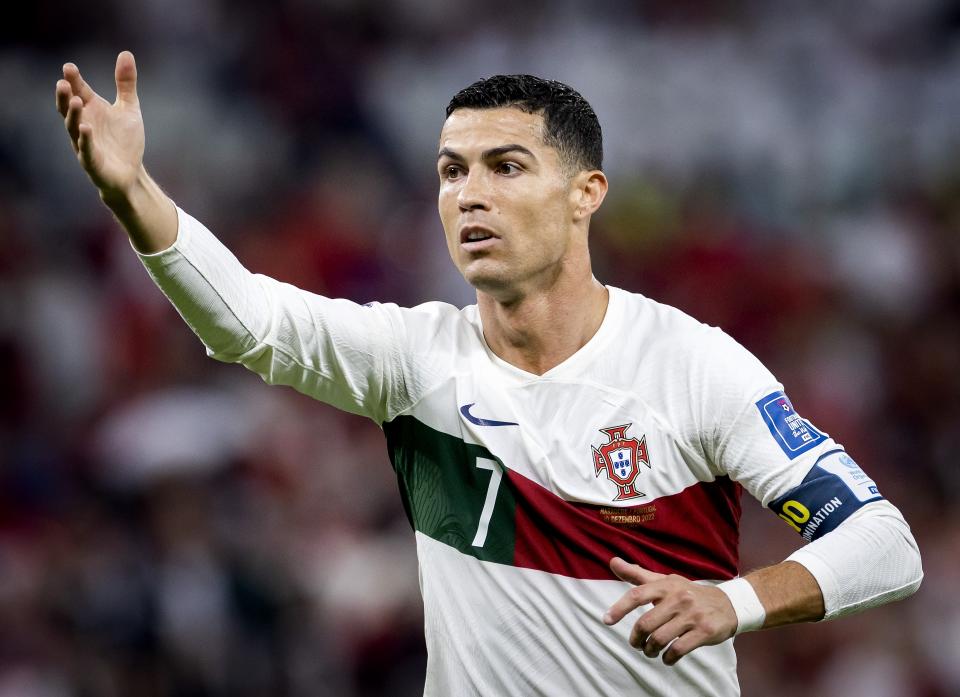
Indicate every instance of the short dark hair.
{"type": "Point", "coordinates": [570, 124]}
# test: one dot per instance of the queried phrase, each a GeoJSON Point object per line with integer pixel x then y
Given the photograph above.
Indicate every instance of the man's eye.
{"type": "Point", "coordinates": [507, 168]}
{"type": "Point", "coordinates": [452, 171]}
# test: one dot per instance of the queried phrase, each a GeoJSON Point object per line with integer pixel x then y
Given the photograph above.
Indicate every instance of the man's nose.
{"type": "Point", "coordinates": [473, 193]}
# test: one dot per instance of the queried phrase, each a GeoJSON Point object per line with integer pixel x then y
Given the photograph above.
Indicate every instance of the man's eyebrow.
{"type": "Point", "coordinates": [504, 149]}
{"type": "Point", "coordinates": [452, 154]}
{"type": "Point", "coordinates": [488, 154]}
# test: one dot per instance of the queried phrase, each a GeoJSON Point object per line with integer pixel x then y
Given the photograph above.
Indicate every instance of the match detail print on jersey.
{"type": "Point", "coordinates": [794, 435]}
{"type": "Point", "coordinates": [462, 495]}
{"type": "Point", "coordinates": [831, 492]}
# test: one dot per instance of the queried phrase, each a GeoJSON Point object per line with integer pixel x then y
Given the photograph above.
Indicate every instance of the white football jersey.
{"type": "Point", "coordinates": [522, 487]}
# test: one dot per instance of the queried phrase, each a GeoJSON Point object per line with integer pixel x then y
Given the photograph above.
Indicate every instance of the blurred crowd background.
{"type": "Point", "coordinates": [170, 527]}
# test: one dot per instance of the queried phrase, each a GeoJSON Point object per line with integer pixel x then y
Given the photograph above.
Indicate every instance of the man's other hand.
{"type": "Point", "coordinates": [685, 615]}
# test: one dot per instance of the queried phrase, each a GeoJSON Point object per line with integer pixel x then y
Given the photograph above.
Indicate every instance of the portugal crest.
{"type": "Point", "coordinates": [621, 458]}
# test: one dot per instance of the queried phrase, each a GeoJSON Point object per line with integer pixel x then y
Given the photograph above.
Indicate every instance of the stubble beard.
{"type": "Point", "coordinates": [510, 285]}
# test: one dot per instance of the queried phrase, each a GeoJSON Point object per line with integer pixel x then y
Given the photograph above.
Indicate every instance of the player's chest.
{"type": "Point", "coordinates": [580, 440]}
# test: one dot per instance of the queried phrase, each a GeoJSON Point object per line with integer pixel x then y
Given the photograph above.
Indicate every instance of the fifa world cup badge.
{"type": "Point", "coordinates": [620, 458]}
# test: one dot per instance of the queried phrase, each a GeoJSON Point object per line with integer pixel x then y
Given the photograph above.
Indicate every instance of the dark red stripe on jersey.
{"type": "Point", "coordinates": [693, 533]}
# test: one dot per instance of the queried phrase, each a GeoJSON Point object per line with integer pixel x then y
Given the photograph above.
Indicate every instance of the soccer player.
{"type": "Point", "coordinates": [570, 455]}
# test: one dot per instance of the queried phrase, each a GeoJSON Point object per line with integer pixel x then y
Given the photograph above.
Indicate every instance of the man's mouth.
{"type": "Point", "coordinates": [472, 235]}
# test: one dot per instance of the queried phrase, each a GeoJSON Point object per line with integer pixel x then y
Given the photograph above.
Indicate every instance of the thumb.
{"type": "Point", "coordinates": [126, 77]}
{"type": "Point", "coordinates": [632, 573]}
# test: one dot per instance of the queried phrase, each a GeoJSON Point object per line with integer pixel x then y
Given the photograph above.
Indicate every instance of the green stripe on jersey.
{"type": "Point", "coordinates": [455, 492]}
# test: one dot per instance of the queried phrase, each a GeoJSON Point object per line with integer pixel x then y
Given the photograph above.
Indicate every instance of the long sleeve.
{"type": "Point", "coordinates": [868, 560]}
{"type": "Point", "coordinates": [333, 350]}
{"type": "Point", "coordinates": [860, 549]}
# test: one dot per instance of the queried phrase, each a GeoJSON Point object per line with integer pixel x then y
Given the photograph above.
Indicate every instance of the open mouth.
{"type": "Point", "coordinates": [473, 234]}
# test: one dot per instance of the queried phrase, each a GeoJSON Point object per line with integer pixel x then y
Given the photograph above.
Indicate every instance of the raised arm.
{"type": "Point", "coordinates": [108, 140]}
{"type": "Point", "coordinates": [333, 350]}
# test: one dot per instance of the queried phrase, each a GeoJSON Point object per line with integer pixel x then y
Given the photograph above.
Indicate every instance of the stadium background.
{"type": "Point", "coordinates": [169, 526]}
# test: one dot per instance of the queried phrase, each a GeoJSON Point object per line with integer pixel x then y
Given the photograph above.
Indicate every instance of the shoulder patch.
{"type": "Point", "coordinates": [794, 435]}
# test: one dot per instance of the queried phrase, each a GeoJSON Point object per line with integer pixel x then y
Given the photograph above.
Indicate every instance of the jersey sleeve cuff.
{"type": "Point", "coordinates": [157, 260]}
{"type": "Point", "coordinates": [823, 575]}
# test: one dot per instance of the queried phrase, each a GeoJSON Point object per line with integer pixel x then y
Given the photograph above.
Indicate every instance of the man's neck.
{"type": "Point", "coordinates": [543, 329]}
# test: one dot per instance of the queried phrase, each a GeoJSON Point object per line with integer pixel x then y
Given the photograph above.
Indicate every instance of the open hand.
{"type": "Point", "coordinates": [107, 138]}
{"type": "Point", "coordinates": [685, 613]}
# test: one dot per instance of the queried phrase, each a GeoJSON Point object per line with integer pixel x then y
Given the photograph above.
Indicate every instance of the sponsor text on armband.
{"type": "Point", "coordinates": [830, 493]}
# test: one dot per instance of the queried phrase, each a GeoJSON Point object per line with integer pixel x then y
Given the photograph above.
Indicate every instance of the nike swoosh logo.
{"type": "Point", "coordinates": [465, 410]}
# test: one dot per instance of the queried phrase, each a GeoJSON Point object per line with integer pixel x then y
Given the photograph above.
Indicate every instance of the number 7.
{"type": "Point", "coordinates": [496, 474]}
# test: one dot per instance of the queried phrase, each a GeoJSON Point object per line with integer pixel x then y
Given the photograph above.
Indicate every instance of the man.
{"type": "Point", "coordinates": [568, 453]}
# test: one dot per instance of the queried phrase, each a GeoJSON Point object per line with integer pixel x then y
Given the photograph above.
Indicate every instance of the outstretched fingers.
{"type": "Point", "coordinates": [85, 146]}
{"type": "Point", "coordinates": [125, 75]}
{"type": "Point", "coordinates": [63, 94]}
{"type": "Point", "coordinates": [72, 120]}
{"type": "Point", "coordinates": [71, 74]}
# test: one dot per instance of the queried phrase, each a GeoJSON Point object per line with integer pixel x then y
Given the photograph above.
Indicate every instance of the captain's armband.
{"type": "Point", "coordinates": [831, 492]}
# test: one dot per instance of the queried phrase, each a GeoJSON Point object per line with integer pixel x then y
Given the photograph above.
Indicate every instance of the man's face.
{"type": "Point", "coordinates": [505, 201]}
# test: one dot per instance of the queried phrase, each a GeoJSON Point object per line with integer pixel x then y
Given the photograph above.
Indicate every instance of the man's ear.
{"type": "Point", "coordinates": [588, 191]}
